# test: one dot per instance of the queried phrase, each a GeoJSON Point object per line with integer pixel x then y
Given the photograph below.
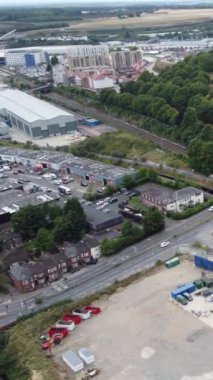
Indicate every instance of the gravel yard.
{"type": "Point", "coordinates": [142, 335]}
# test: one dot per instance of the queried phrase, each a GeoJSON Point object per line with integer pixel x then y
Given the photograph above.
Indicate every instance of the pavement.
{"type": "Point", "coordinates": [141, 256]}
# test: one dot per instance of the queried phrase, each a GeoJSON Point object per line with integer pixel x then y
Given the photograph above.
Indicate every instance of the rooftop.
{"type": "Point", "coordinates": [16, 199]}
{"type": "Point", "coordinates": [98, 216]}
{"type": "Point", "coordinates": [28, 107]}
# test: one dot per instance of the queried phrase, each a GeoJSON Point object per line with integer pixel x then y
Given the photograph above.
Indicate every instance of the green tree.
{"type": "Point", "coordinates": [128, 181]}
{"type": "Point", "coordinates": [54, 60]}
{"type": "Point", "coordinates": [153, 221]}
{"type": "Point", "coordinates": [28, 220]}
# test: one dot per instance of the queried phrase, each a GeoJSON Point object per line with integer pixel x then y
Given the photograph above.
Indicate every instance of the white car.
{"type": "Point", "coordinates": [57, 181]}
{"type": "Point", "coordinates": [82, 313]}
{"type": "Point", "coordinates": [211, 208]}
{"type": "Point", "coordinates": [69, 325]}
{"type": "Point", "coordinates": [6, 167]}
{"type": "Point", "coordinates": [164, 244]}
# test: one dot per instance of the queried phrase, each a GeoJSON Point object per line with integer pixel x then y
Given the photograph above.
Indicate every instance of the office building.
{"type": "Point", "coordinates": [26, 58]}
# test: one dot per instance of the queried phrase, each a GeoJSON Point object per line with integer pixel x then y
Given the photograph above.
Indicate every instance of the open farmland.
{"type": "Point", "coordinates": [162, 17]}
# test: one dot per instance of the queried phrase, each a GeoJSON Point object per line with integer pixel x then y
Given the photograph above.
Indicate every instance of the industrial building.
{"type": "Point", "coordinates": [79, 168]}
{"type": "Point", "coordinates": [204, 260]}
{"type": "Point", "coordinates": [26, 58]}
{"type": "Point", "coordinates": [98, 220]}
{"type": "Point", "coordinates": [89, 57]}
{"type": "Point", "coordinates": [167, 200]}
{"type": "Point", "coordinates": [33, 116]}
{"type": "Point", "coordinates": [122, 59]}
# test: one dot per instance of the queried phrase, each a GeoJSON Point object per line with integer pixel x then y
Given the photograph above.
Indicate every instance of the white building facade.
{"type": "Point", "coordinates": [26, 58]}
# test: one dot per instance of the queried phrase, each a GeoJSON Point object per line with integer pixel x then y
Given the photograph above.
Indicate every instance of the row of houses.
{"type": "Point", "coordinates": [33, 275]}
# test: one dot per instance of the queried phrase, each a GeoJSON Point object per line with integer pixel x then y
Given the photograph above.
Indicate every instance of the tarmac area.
{"type": "Point", "coordinates": [142, 335]}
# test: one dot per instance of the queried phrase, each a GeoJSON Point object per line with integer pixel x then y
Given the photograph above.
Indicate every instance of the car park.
{"type": "Point", "coordinates": [93, 309]}
{"type": "Point", "coordinates": [181, 300]}
{"type": "Point", "coordinates": [61, 331]}
{"type": "Point", "coordinates": [70, 317]}
{"type": "Point", "coordinates": [69, 325]}
{"type": "Point", "coordinates": [164, 244]}
{"type": "Point", "coordinates": [188, 296]}
{"type": "Point", "coordinates": [82, 313]}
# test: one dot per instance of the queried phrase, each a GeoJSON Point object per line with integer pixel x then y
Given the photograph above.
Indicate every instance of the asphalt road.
{"type": "Point", "coordinates": [139, 257]}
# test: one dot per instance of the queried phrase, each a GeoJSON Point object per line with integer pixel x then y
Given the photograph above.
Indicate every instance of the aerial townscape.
{"type": "Point", "coordinates": [106, 190]}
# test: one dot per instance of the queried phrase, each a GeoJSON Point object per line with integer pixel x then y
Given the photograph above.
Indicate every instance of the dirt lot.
{"type": "Point", "coordinates": [142, 335]}
{"type": "Point", "coordinates": [163, 17]}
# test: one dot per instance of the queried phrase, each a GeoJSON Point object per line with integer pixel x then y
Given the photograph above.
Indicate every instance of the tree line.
{"type": "Point", "coordinates": [44, 227]}
{"type": "Point", "coordinates": [178, 103]}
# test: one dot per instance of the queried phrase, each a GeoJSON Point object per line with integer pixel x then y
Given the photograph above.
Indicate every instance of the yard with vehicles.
{"type": "Point", "coordinates": [154, 327]}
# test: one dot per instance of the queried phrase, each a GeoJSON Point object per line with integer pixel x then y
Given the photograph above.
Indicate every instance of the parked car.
{"type": "Point", "coordinates": [57, 181]}
{"type": "Point", "coordinates": [211, 208]}
{"type": "Point", "coordinates": [164, 244]}
{"type": "Point", "coordinates": [6, 167]}
{"type": "Point", "coordinates": [181, 300]}
{"type": "Point", "coordinates": [61, 331]}
{"type": "Point", "coordinates": [74, 318]}
{"type": "Point", "coordinates": [84, 183]}
{"type": "Point", "coordinates": [69, 325]}
{"type": "Point", "coordinates": [82, 313]}
{"type": "Point", "coordinates": [113, 200]}
{"type": "Point", "coordinates": [93, 309]}
{"type": "Point", "coordinates": [188, 296]}
{"type": "Point", "coordinates": [21, 171]}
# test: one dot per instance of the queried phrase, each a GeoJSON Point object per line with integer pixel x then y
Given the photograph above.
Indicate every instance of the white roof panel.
{"type": "Point", "coordinates": [28, 107]}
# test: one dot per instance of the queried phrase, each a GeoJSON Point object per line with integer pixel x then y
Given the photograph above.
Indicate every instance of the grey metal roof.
{"type": "Point", "coordinates": [98, 216]}
{"type": "Point", "coordinates": [20, 271]}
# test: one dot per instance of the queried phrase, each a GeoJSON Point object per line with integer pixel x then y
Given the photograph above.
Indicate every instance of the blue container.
{"type": "Point", "coordinates": [187, 288]}
{"type": "Point", "coordinates": [203, 262]}
{"type": "Point", "coordinates": [92, 122]}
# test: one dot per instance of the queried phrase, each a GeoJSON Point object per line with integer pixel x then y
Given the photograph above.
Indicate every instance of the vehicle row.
{"type": "Point", "coordinates": [67, 324]}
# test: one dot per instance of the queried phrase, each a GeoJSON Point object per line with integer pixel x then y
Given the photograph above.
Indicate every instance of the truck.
{"type": "Point", "coordinates": [64, 190]}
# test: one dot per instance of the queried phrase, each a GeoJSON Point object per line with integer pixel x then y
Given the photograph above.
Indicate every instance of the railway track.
{"type": "Point", "coordinates": [75, 106]}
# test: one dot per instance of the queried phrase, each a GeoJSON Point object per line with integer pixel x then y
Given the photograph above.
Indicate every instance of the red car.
{"type": "Point", "coordinates": [74, 318]}
{"type": "Point", "coordinates": [61, 331]}
{"type": "Point", "coordinates": [93, 309]}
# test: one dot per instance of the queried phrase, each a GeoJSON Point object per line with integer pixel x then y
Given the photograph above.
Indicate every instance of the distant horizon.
{"type": "Point", "coordinates": [104, 3]}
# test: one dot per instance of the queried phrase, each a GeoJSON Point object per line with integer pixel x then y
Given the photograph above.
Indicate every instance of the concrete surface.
{"type": "Point", "coordinates": [142, 335]}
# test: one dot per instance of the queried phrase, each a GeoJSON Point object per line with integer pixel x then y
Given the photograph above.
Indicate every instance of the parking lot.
{"type": "Point", "coordinates": [142, 335]}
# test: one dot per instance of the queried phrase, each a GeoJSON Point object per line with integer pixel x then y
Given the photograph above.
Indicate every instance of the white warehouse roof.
{"type": "Point", "coordinates": [28, 107]}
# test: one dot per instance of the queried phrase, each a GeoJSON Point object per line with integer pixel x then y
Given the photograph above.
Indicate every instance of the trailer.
{"type": "Point", "coordinates": [86, 355]}
{"type": "Point", "coordinates": [73, 361]}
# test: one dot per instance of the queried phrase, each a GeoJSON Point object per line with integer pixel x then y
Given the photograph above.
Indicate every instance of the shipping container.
{"type": "Point", "coordinates": [86, 355]}
{"type": "Point", "coordinates": [189, 288]}
{"type": "Point", "coordinates": [204, 262]}
{"type": "Point", "coordinates": [199, 284]}
{"type": "Point", "coordinates": [172, 263]}
{"type": "Point", "coordinates": [73, 361]}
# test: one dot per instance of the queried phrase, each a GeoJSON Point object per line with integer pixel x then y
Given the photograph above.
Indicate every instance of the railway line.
{"type": "Point", "coordinates": [75, 106]}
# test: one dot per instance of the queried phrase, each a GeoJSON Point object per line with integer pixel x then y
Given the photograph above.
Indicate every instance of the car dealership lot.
{"type": "Point", "coordinates": [142, 335]}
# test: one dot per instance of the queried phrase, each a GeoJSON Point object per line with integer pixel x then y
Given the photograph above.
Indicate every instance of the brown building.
{"type": "Point", "coordinates": [88, 57]}
{"type": "Point", "coordinates": [125, 58]}
{"type": "Point", "coordinates": [22, 277]}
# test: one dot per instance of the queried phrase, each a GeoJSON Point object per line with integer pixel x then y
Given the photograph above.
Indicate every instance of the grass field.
{"type": "Point", "coordinates": [162, 17]}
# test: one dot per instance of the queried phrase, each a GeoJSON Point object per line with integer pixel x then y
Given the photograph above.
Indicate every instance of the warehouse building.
{"type": "Point", "coordinates": [33, 116]}
{"type": "Point", "coordinates": [98, 220]}
{"type": "Point", "coordinates": [78, 167]}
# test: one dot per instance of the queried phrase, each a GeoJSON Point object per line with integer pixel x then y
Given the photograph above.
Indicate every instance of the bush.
{"type": "Point", "coordinates": [190, 210]}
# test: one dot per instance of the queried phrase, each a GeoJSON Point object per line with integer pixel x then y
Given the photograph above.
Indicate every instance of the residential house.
{"type": "Point", "coordinates": [72, 255]}
{"type": "Point", "coordinates": [94, 246]}
{"type": "Point", "coordinates": [38, 273]}
{"type": "Point", "coordinates": [50, 269]}
{"type": "Point", "coordinates": [84, 252]}
{"type": "Point", "coordinates": [60, 260]}
{"type": "Point", "coordinates": [22, 277]}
